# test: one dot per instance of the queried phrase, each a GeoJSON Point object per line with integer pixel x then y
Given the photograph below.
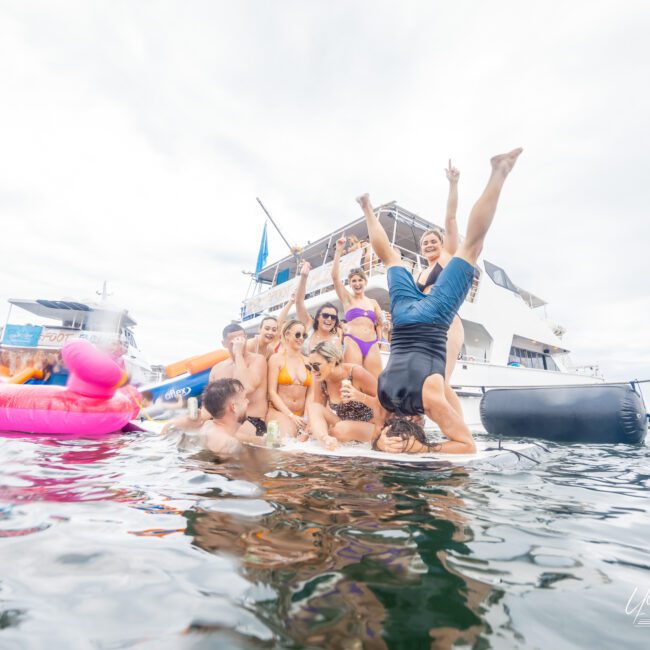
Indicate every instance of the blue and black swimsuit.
{"type": "Point", "coordinates": [418, 346]}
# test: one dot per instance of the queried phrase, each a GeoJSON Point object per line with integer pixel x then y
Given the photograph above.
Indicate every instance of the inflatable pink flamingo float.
{"type": "Point", "coordinates": [91, 402]}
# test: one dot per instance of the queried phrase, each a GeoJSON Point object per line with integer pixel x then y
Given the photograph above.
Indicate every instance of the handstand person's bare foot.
{"type": "Point", "coordinates": [504, 162]}
{"type": "Point", "coordinates": [364, 200]}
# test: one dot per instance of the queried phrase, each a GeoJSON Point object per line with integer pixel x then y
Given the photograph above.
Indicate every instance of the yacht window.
{"type": "Point", "coordinates": [499, 276]}
{"type": "Point", "coordinates": [531, 359]}
{"type": "Point", "coordinates": [282, 277]}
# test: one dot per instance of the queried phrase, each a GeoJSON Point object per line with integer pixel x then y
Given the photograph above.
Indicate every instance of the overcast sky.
{"type": "Point", "coordinates": [135, 137]}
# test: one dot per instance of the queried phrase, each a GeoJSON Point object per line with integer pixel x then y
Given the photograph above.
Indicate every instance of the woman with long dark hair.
{"type": "Point", "coordinates": [325, 324]}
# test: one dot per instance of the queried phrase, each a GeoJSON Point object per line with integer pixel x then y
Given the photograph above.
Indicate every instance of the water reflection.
{"type": "Point", "coordinates": [283, 551]}
{"type": "Point", "coordinates": [355, 556]}
{"type": "Point", "coordinates": [50, 468]}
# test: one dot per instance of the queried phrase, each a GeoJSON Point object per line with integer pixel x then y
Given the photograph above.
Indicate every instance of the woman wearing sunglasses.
{"type": "Point", "coordinates": [341, 407]}
{"type": "Point", "coordinates": [289, 381]}
{"type": "Point", "coordinates": [325, 324]}
{"type": "Point", "coordinates": [363, 316]}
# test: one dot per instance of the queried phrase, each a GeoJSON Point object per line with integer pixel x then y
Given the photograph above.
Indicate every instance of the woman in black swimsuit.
{"type": "Point", "coordinates": [438, 251]}
{"type": "Point", "coordinates": [344, 397]}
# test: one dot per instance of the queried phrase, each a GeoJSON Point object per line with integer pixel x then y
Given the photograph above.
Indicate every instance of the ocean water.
{"type": "Point", "coordinates": [125, 541]}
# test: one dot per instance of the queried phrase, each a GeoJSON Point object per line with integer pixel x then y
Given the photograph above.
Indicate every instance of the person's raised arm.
{"type": "Point", "coordinates": [248, 375]}
{"type": "Point", "coordinates": [301, 289]}
{"type": "Point", "coordinates": [282, 316]}
{"type": "Point", "coordinates": [451, 225]}
{"type": "Point", "coordinates": [378, 237]}
{"type": "Point", "coordinates": [341, 291]}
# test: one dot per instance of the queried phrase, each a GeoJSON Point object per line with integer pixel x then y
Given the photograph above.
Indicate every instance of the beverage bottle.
{"type": "Point", "coordinates": [272, 434]}
{"type": "Point", "coordinates": [193, 408]}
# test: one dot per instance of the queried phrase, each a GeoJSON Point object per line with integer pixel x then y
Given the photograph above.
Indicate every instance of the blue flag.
{"type": "Point", "coordinates": [263, 252]}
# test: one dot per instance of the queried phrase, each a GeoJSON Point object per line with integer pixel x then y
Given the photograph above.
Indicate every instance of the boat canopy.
{"type": "Point", "coordinates": [73, 312]}
{"type": "Point", "coordinates": [403, 227]}
{"type": "Point", "coordinates": [501, 278]}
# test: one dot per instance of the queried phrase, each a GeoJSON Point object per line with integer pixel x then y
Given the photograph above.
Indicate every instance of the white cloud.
{"type": "Point", "coordinates": [135, 137]}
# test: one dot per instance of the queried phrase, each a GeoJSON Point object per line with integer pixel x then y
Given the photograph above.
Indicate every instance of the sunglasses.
{"type": "Point", "coordinates": [315, 366]}
{"type": "Point", "coordinates": [328, 316]}
{"type": "Point", "coordinates": [301, 335]}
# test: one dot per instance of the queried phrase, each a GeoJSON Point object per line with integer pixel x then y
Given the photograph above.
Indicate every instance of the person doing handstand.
{"type": "Point", "coordinates": [413, 382]}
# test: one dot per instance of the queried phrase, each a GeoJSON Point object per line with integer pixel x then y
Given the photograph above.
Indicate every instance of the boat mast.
{"type": "Point", "coordinates": [295, 250]}
{"type": "Point", "coordinates": [104, 293]}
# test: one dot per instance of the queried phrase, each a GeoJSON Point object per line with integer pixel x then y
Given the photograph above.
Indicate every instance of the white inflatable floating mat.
{"type": "Point", "coordinates": [511, 455]}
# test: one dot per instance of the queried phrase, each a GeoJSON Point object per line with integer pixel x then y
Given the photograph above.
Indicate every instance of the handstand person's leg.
{"type": "Point", "coordinates": [378, 237]}
{"type": "Point", "coordinates": [482, 213]}
{"type": "Point", "coordinates": [447, 418]}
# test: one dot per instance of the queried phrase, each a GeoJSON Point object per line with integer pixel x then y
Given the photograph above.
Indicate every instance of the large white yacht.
{"type": "Point", "coordinates": [36, 330]}
{"type": "Point", "coordinates": [508, 339]}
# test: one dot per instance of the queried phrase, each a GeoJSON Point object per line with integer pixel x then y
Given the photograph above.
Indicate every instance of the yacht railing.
{"type": "Point", "coordinates": [320, 281]}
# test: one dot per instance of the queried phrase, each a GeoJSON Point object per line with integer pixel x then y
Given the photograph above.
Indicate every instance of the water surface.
{"type": "Point", "coordinates": [124, 541]}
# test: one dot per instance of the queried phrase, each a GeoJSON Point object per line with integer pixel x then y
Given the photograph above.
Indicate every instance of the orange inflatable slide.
{"type": "Point", "coordinates": [25, 375]}
{"type": "Point", "coordinates": [197, 364]}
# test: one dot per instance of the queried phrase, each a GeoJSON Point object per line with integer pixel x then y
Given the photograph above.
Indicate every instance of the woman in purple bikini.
{"type": "Point", "coordinates": [363, 316]}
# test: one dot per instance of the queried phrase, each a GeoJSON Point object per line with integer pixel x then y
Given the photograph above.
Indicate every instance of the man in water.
{"type": "Point", "coordinates": [250, 369]}
{"type": "Point", "coordinates": [413, 382]}
{"type": "Point", "coordinates": [224, 412]}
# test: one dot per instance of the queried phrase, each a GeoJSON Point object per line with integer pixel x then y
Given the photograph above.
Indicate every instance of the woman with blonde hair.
{"type": "Point", "coordinates": [289, 381]}
{"type": "Point", "coordinates": [438, 249]}
{"type": "Point", "coordinates": [343, 399]}
{"type": "Point", "coordinates": [363, 316]}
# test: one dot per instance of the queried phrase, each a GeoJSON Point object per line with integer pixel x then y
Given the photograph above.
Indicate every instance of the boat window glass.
{"type": "Point", "coordinates": [531, 359]}
{"type": "Point", "coordinates": [282, 276]}
{"type": "Point", "coordinates": [499, 276]}
{"type": "Point", "coordinates": [550, 363]}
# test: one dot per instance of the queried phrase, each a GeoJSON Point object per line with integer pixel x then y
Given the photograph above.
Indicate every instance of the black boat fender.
{"type": "Point", "coordinates": [584, 413]}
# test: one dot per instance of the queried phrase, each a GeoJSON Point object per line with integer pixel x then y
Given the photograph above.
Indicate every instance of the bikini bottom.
{"type": "Point", "coordinates": [364, 346]}
{"type": "Point", "coordinates": [259, 424]}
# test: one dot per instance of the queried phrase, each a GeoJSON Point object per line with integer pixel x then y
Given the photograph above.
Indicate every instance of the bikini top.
{"type": "Point", "coordinates": [357, 312]}
{"type": "Point", "coordinates": [285, 379]}
{"type": "Point", "coordinates": [431, 279]}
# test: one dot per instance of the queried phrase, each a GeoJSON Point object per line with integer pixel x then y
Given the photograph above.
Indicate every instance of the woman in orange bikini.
{"type": "Point", "coordinates": [289, 381]}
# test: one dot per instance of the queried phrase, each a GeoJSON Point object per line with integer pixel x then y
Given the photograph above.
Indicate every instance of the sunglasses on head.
{"type": "Point", "coordinates": [314, 366]}
{"type": "Point", "coordinates": [325, 316]}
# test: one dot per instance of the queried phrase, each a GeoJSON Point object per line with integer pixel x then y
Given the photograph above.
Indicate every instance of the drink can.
{"type": "Point", "coordinates": [193, 408]}
{"type": "Point", "coordinates": [273, 434]}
